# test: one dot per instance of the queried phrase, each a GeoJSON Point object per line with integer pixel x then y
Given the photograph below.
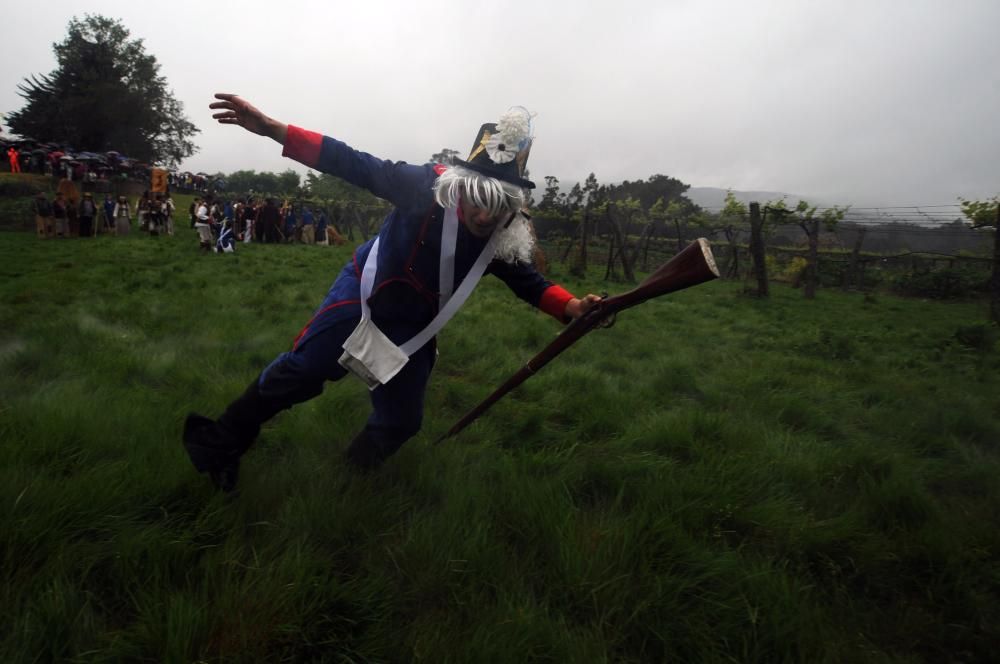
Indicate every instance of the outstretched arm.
{"type": "Point", "coordinates": [538, 291]}
{"type": "Point", "coordinates": [402, 184]}
{"type": "Point", "coordinates": [238, 111]}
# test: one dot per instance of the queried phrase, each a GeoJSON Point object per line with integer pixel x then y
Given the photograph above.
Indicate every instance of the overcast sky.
{"type": "Point", "coordinates": [877, 101]}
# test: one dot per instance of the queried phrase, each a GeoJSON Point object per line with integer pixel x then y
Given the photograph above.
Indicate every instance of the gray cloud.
{"type": "Point", "coordinates": [865, 102]}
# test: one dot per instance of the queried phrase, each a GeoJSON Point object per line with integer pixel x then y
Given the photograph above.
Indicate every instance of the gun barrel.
{"type": "Point", "coordinates": [692, 266]}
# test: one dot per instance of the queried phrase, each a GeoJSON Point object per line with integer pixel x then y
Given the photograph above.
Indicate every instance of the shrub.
{"type": "Point", "coordinates": [794, 270]}
{"type": "Point", "coordinates": [14, 185]}
{"type": "Point", "coordinates": [941, 284]}
{"type": "Point", "coordinates": [16, 193]}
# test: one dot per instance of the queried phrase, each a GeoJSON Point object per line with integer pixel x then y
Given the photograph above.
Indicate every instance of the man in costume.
{"type": "Point", "coordinates": [448, 227]}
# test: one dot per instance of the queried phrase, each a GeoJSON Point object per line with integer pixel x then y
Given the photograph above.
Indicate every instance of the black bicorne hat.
{"type": "Point", "coordinates": [501, 149]}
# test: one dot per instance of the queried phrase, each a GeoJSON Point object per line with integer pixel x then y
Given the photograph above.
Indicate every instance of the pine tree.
{"type": "Point", "coordinates": [105, 94]}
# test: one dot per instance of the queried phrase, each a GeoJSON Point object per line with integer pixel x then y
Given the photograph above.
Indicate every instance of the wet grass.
{"type": "Point", "coordinates": [713, 479]}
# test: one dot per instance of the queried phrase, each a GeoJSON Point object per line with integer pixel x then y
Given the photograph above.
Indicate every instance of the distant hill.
{"type": "Point", "coordinates": [713, 197]}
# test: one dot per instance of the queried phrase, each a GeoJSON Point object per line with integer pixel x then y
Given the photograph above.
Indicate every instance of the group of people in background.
{"type": "Point", "coordinates": [60, 161]}
{"type": "Point", "coordinates": [65, 216]}
{"type": "Point", "coordinates": [220, 221]}
{"type": "Point", "coordinates": [260, 220]}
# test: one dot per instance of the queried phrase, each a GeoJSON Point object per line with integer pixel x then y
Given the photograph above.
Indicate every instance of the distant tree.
{"type": "Point", "coordinates": [733, 221]}
{"type": "Point", "coordinates": [267, 183]}
{"type": "Point", "coordinates": [242, 181]}
{"type": "Point", "coordinates": [447, 157]}
{"type": "Point", "coordinates": [590, 200]}
{"type": "Point", "coordinates": [676, 212]}
{"type": "Point", "coordinates": [353, 208]}
{"type": "Point", "coordinates": [620, 215]}
{"type": "Point", "coordinates": [809, 221]}
{"type": "Point", "coordinates": [550, 199]}
{"type": "Point", "coordinates": [650, 190]}
{"type": "Point", "coordinates": [288, 182]}
{"type": "Point", "coordinates": [981, 214]}
{"type": "Point", "coordinates": [105, 94]}
{"type": "Point", "coordinates": [986, 215]}
{"type": "Point", "coordinates": [329, 187]}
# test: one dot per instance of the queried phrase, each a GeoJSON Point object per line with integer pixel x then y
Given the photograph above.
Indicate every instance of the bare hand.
{"type": "Point", "coordinates": [239, 111]}
{"type": "Point", "coordinates": [579, 306]}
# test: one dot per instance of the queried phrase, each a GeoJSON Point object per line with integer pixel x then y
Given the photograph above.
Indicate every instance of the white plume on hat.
{"type": "Point", "coordinates": [512, 135]}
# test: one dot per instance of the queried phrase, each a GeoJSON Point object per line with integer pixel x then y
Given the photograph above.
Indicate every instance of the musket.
{"type": "Point", "coordinates": [694, 265]}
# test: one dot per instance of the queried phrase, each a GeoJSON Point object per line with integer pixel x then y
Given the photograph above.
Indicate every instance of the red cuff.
{"type": "Point", "coordinates": [303, 146]}
{"type": "Point", "coordinates": [554, 300]}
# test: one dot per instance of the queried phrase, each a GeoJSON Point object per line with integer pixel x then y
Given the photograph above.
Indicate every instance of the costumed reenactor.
{"type": "Point", "coordinates": [308, 227]}
{"type": "Point", "coordinates": [168, 214]}
{"type": "Point", "coordinates": [43, 216]}
{"type": "Point", "coordinates": [321, 224]}
{"type": "Point", "coordinates": [123, 217]}
{"type": "Point", "coordinates": [154, 215]}
{"type": "Point", "coordinates": [203, 224]}
{"type": "Point", "coordinates": [226, 243]}
{"type": "Point", "coordinates": [109, 215]}
{"type": "Point", "coordinates": [193, 210]}
{"type": "Point", "coordinates": [449, 225]}
{"type": "Point", "coordinates": [87, 212]}
{"type": "Point", "coordinates": [250, 232]}
{"type": "Point", "coordinates": [59, 213]}
{"type": "Point", "coordinates": [71, 198]}
{"type": "Point", "coordinates": [142, 211]}
{"type": "Point", "coordinates": [269, 222]}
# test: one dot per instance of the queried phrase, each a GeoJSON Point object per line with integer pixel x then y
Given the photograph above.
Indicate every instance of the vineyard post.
{"type": "Point", "coordinates": [995, 280]}
{"type": "Point", "coordinates": [757, 250]}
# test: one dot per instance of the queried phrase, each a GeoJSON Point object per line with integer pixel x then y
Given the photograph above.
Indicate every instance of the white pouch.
{"type": "Point", "coordinates": [371, 356]}
{"type": "Point", "coordinates": [368, 353]}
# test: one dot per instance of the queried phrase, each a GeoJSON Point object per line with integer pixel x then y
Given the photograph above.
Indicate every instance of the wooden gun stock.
{"type": "Point", "coordinates": [695, 265]}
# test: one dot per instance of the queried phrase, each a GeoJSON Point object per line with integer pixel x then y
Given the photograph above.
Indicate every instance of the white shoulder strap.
{"type": "Point", "coordinates": [450, 303]}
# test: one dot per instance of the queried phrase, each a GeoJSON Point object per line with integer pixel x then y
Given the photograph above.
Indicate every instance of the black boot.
{"type": "Point", "coordinates": [369, 450]}
{"type": "Point", "coordinates": [215, 446]}
{"type": "Point", "coordinates": [212, 451]}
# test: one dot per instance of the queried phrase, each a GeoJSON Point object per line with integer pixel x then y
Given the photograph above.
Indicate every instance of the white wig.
{"type": "Point", "coordinates": [500, 198]}
{"type": "Point", "coordinates": [484, 192]}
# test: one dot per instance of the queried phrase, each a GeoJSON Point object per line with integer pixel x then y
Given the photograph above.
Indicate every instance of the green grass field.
{"type": "Point", "coordinates": [714, 479]}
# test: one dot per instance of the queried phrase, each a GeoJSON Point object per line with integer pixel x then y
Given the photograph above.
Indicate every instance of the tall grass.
{"type": "Point", "coordinates": [714, 479]}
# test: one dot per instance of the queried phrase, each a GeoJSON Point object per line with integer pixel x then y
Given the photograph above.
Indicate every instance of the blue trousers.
{"type": "Point", "coordinates": [300, 374]}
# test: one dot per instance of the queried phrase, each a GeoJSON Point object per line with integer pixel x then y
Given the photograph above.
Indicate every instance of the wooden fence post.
{"type": "Point", "coordinates": [851, 275]}
{"type": "Point", "coordinates": [757, 250]}
{"type": "Point", "coordinates": [812, 260]}
{"type": "Point", "coordinates": [995, 279]}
